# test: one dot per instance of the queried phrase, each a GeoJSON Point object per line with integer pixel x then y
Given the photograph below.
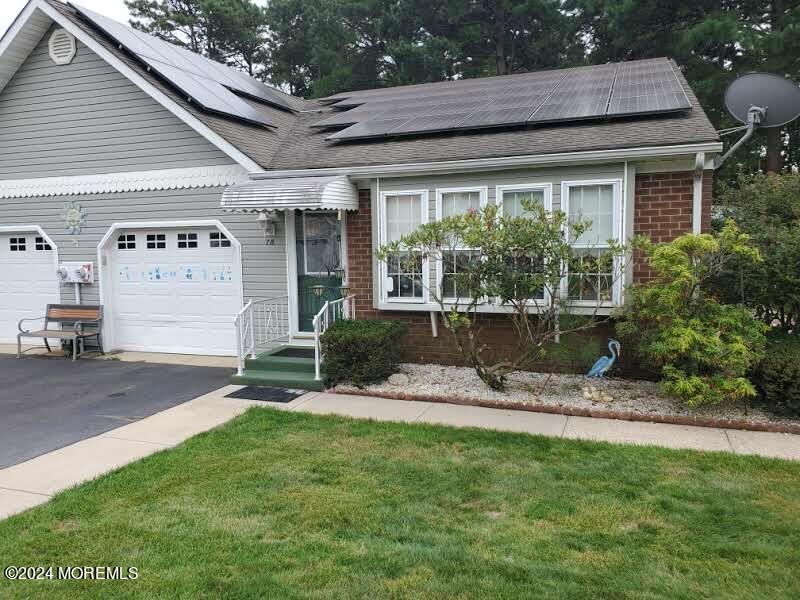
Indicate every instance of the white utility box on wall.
{"type": "Point", "coordinates": [76, 272]}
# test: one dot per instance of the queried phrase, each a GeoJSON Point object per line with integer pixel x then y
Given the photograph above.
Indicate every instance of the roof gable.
{"type": "Point", "coordinates": [37, 17]}
{"type": "Point", "coordinates": [85, 118]}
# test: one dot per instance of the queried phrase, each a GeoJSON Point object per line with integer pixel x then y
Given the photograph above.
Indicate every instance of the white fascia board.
{"type": "Point", "coordinates": [139, 81]}
{"type": "Point", "coordinates": [20, 39]}
{"type": "Point", "coordinates": [506, 162]}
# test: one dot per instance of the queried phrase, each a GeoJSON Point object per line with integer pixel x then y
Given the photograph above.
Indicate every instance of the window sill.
{"type": "Point", "coordinates": [604, 309]}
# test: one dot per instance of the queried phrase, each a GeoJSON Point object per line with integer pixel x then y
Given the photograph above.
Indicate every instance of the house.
{"type": "Point", "coordinates": [191, 190]}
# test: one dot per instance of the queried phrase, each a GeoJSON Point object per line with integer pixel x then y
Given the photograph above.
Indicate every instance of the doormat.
{"type": "Point", "coordinates": [267, 394]}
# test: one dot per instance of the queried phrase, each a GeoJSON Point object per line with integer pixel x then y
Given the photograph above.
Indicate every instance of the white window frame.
{"type": "Point", "coordinates": [383, 274]}
{"type": "Point", "coordinates": [482, 202]}
{"type": "Point", "coordinates": [617, 225]}
{"type": "Point", "coordinates": [545, 186]}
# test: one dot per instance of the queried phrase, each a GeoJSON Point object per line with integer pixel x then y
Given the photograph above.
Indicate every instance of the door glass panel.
{"type": "Point", "coordinates": [318, 236]}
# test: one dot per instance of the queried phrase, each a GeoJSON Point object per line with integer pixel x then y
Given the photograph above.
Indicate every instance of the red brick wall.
{"type": "Point", "coordinates": [663, 209]}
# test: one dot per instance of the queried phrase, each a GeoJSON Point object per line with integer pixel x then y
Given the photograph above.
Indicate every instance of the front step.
{"type": "Point", "coordinates": [286, 367]}
{"type": "Point", "coordinates": [295, 381]}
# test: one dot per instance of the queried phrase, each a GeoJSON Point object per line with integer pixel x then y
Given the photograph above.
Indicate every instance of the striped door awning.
{"type": "Point", "coordinates": [304, 193]}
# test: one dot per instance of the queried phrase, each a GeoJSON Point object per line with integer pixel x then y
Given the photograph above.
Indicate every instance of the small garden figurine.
{"type": "Point", "coordinates": [604, 363]}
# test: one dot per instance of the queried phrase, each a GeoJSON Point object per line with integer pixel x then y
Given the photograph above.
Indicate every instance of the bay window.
{"type": "Point", "coordinates": [400, 214]}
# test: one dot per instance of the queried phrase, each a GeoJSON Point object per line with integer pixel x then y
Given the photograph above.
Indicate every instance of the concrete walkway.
{"type": "Point", "coordinates": [33, 482]}
{"type": "Point", "coordinates": [776, 445]}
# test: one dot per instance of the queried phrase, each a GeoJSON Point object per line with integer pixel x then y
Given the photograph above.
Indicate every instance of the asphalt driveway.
{"type": "Point", "coordinates": [48, 403]}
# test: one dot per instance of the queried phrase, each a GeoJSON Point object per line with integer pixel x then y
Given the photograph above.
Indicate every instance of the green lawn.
{"type": "Point", "coordinates": [282, 505]}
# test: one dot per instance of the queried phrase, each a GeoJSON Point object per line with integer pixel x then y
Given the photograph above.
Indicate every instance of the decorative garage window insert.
{"type": "Point", "coordinates": [156, 241]}
{"type": "Point", "coordinates": [592, 272]}
{"type": "Point", "coordinates": [455, 261]}
{"type": "Point", "coordinates": [17, 244]}
{"type": "Point", "coordinates": [187, 240]}
{"type": "Point", "coordinates": [41, 244]}
{"type": "Point", "coordinates": [217, 239]}
{"type": "Point", "coordinates": [126, 241]}
{"type": "Point", "coordinates": [402, 213]}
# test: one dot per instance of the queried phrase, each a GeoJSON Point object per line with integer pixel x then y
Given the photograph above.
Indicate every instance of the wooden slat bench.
{"type": "Point", "coordinates": [77, 315]}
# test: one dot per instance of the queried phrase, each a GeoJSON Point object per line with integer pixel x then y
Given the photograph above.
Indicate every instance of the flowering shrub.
{"type": "Point", "coordinates": [523, 267]}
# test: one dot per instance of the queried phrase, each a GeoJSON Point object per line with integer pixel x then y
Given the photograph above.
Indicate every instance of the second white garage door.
{"type": "Point", "coordinates": [174, 290]}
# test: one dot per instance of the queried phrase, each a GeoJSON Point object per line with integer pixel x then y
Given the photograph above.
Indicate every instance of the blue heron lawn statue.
{"type": "Point", "coordinates": [604, 363]}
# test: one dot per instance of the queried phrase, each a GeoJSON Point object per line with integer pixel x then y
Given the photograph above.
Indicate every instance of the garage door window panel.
{"type": "Point", "coordinates": [18, 244]}
{"type": "Point", "coordinates": [217, 239]}
{"type": "Point", "coordinates": [126, 242]}
{"type": "Point", "coordinates": [41, 244]}
{"type": "Point", "coordinates": [187, 240]}
{"type": "Point", "coordinates": [156, 241]}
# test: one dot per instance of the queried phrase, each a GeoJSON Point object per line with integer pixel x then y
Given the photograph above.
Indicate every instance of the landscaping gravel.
{"type": "Point", "coordinates": [612, 393]}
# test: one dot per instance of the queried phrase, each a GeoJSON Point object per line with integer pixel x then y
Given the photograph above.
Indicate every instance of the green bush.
{"type": "Point", "coordinates": [767, 208]}
{"type": "Point", "coordinates": [704, 349]}
{"type": "Point", "coordinates": [778, 374]}
{"type": "Point", "coordinates": [362, 352]}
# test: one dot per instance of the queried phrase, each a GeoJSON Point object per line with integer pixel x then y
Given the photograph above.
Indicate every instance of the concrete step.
{"type": "Point", "coordinates": [281, 379]}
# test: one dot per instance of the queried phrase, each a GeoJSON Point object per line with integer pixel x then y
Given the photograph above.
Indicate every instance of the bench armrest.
{"type": "Point", "coordinates": [78, 327]}
{"type": "Point", "coordinates": [21, 321]}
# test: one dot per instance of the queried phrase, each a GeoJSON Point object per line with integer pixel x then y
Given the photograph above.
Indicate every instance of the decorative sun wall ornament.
{"type": "Point", "coordinates": [74, 218]}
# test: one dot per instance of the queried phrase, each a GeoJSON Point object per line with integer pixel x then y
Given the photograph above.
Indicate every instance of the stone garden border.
{"type": "Point", "coordinates": [584, 412]}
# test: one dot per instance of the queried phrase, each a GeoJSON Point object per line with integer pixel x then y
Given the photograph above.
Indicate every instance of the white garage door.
{"type": "Point", "coordinates": [29, 281]}
{"type": "Point", "coordinates": [174, 291]}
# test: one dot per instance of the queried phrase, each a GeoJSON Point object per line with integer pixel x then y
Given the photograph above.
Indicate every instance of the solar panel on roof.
{"type": "Point", "coordinates": [205, 81]}
{"type": "Point", "coordinates": [368, 129]}
{"type": "Point", "coordinates": [507, 116]}
{"type": "Point", "coordinates": [545, 97]}
{"type": "Point", "coordinates": [647, 87]}
{"type": "Point", "coordinates": [430, 123]}
{"type": "Point", "coordinates": [581, 94]}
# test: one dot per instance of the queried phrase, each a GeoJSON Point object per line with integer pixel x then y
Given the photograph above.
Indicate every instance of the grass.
{"type": "Point", "coordinates": [283, 505]}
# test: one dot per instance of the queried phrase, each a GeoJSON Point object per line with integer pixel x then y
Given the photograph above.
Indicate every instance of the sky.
{"type": "Point", "coordinates": [114, 9]}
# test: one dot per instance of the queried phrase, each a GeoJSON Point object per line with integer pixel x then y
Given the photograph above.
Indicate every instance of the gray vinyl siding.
{"type": "Point", "coordinates": [264, 267]}
{"type": "Point", "coordinates": [87, 118]}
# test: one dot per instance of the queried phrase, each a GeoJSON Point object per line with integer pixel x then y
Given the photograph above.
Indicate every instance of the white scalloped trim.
{"type": "Point", "coordinates": [137, 181]}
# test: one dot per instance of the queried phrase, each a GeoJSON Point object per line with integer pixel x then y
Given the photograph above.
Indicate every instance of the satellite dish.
{"type": "Point", "coordinates": [779, 97]}
{"type": "Point", "coordinates": [760, 100]}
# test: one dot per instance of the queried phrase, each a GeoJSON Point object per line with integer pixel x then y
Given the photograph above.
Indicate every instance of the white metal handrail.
{"type": "Point", "coordinates": [261, 323]}
{"type": "Point", "coordinates": [331, 311]}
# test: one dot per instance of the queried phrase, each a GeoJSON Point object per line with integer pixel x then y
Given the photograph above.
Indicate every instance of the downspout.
{"type": "Point", "coordinates": [697, 192]}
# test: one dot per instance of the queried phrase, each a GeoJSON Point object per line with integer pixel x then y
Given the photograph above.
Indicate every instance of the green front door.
{"type": "Point", "coordinates": [318, 239]}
